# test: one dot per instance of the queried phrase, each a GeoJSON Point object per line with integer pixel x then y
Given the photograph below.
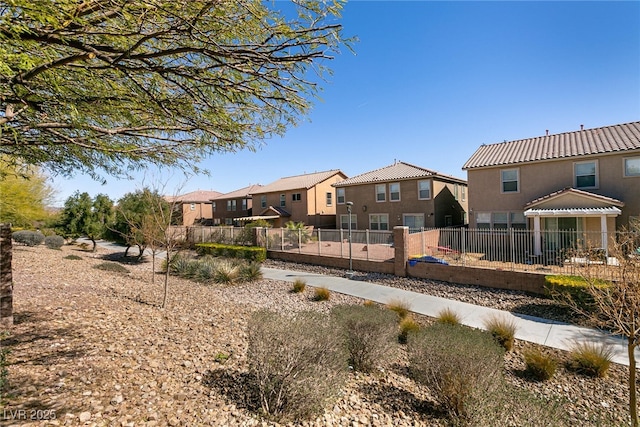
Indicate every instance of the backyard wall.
{"type": "Point", "coordinates": [383, 267]}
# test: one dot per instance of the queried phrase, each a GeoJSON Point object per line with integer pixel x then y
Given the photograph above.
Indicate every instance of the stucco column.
{"type": "Point", "coordinates": [537, 237]}
{"type": "Point", "coordinates": [603, 229]}
{"type": "Point", "coordinates": [401, 246]}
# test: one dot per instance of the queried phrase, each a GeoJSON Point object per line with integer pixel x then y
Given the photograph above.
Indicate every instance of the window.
{"type": "Point", "coordinates": [228, 221]}
{"type": "Point", "coordinates": [381, 192]}
{"type": "Point", "coordinates": [413, 221]}
{"type": "Point", "coordinates": [296, 197]}
{"type": "Point", "coordinates": [329, 199]}
{"type": "Point", "coordinates": [394, 192]}
{"type": "Point", "coordinates": [500, 220]}
{"type": "Point", "coordinates": [231, 205]}
{"type": "Point", "coordinates": [192, 207]}
{"type": "Point", "coordinates": [379, 222]}
{"type": "Point", "coordinates": [517, 220]}
{"type": "Point", "coordinates": [463, 190]}
{"type": "Point", "coordinates": [283, 200]}
{"type": "Point", "coordinates": [456, 191]}
{"type": "Point", "coordinates": [483, 219]}
{"type": "Point", "coordinates": [344, 221]}
{"type": "Point", "coordinates": [263, 201]}
{"type": "Point", "coordinates": [632, 166]}
{"type": "Point", "coordinates": [213, 206]}
{"type": "Point", "coordinates": [586, 174]}
{"type": "Point", "coordinates": [509, 180]}
{"type": "Point", "coordinates": [340, 195]}
{"type": "Point", "coordinates": [245, 203]}
{"type": "Point", "coordinates": [424, 189]}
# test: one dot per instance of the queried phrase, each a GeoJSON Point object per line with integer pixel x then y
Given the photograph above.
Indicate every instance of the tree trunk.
{"type": "Point", "coordinates": [633, 400]}
{"type": "Point", "coordinates": [6, 277]}
{"type": "Point", "coordinates": [95, 245]}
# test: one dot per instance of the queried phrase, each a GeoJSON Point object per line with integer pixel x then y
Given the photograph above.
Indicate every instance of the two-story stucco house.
{"type": "Point", "coordinates": [585, 181]}
{"type": "Point", "coordinates": [308, 198]}
{"type": "Point", "coordinates": [193, 208]}
{"type": "Point", "coordinates": [401, 194]}
{"type": "Point", "coordinates": [229, 208]}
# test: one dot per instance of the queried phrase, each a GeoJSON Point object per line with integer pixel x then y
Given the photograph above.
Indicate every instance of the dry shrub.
{"type": "Point", "coordinates": [407, 326]}
{"type": "Point", "coordinates": [298, 363]}
{"type": "Point", "coordinates": [462, 367]}
{"type": "Point", "coordinates": [503, 331]}
{"type": "Point", "coordinates": [447, 316]}
{"type": "Point", "coordinates": [400, 307]}
{"type": "Point", "coordinates": [321, 294]}
{"type": "Point", "coordinates": [590, 358]}
{"type": "Point", "coordinates": [111, 267]}
{"type": "Point", "coordinates": [298, 286]}
{"type": "Point", "coordinates": [539, 366]}
{"type": "Point", "coordinates": [369, 334]}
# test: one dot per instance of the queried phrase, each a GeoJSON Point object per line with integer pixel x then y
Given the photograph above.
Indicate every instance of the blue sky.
{"type": "Point", "coordinates": [429, 82]}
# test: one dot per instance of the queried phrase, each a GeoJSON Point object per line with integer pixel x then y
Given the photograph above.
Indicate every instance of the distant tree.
{"type": "Point", "coordinates": [111, 85]}
{"type": "Point", "coordinates": [616, 306]}
{"type": "Point", "coordinates": [83, 216]}
{"type": "Point", "coordinates": [25, 195]}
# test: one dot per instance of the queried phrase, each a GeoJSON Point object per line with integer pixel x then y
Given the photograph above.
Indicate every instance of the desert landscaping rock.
{"type": "Point", "coordinates": [92, 347]}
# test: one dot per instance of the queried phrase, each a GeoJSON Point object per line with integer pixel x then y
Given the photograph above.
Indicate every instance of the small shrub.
{"type": "Point", "coordinates": [590, 358]}
{"type": "Point", "coordinates": [112, 267]}
{"type": "Point", "coordinates": [369, 334]}
{"type": "Point", "coordinates": [298, 286]}
{"type": "Point", "coordinates": [73, 257]}
{"type": "Point", "coordinates": [27, 237]}
{"type": "Point", "coordinates": [204, 270]}
{"type": "Point", "coordinates": [321, 294]}
{"type": "Point", "coordinates": [401, 308]}
{"type": "Point", "coordinates": [297, 364]}
{"type": "Point", "coordinates": [539, 366]}
{"type": "Point", "coordinates": [503, 331]}
{"type": "Point", "coordinates": [250, 271]}
{"type": "Point", "coordinates": [462, 367]}
{"type": "Point", "coordinates": [407, 326]}
{"type": "Point", "coordinates": [573, 290]}
{"type": "Point", "coordinates": [226, 272]}
{"type": "Point", "coordinates": [183, 266]}
{"type": "Point", "coordinates": [54, 242]}
{"type": "Point", "coordinates": [369, 303]}
{"type": "Point", "coordinates": [448, 317]}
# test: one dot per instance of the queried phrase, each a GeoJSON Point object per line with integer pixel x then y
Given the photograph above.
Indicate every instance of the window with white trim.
{"type": "Point", "coordinates": [464, 193]}
{"type": "Point", "coordinates": [231, 205]}
{"type": "Point", "coordinates": [329, 198]}
{"type": "Point", "coordinates": [283, 200]}
{"type": "Point", "coordinates": [340, 196]}
{"type": "Point", "coordinates": [424, 189]}
{"type": "Point", "coordinates": [394, 192]}
{"type": "Point", "coordinates": [263, 201]}
{"type": "Point", "coordinates": [586, 174]}
{"type": "Point", "coordinates": [344, 221]}
{"type": "Point", "coordinates": [631, 166]}
{"type": "Point", "coordinates": [381, 192]}
{"type": "Point", "coordinates": [500, 220]}
{"type": "Point", "coordinates": [245, 203]}
{"type": "Point", "coordinates": [379, 222]}
{"type": "Point", "coordinates": [509, 181]}
{"type": "Point", "coordinates": [413, 221]}
{"type": "Point", "coordinates": [483, 219]}
{"type": "Point", "coordinates": [213, 206]}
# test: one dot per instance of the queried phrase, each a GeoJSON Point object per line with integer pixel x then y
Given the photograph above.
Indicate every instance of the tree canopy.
{"type": "Point", "coordinates": [83, 216]}
{"type": "Point", "coordinates": [113, 85]}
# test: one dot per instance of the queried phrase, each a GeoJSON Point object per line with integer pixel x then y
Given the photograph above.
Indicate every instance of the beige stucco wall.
{"type": "Point", "coordinates": [542, 178]}
{"type": "Point", "coordinates": [200, 211]}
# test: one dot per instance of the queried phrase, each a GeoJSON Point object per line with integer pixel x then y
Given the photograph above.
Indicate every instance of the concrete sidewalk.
{"type": "Point", "coordinates": [533, 329]}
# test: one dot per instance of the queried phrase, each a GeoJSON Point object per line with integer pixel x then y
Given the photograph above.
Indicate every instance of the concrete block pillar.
{"type": "Point", "coordinates": [401, 246]}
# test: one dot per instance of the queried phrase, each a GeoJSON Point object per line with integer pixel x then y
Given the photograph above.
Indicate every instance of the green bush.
{"type": "Point", "coordinates": [590, 359]}
{"type": "Point", "coordinates": [321, 294]}
{"type": "Point", "coordinates": [112, 267]}
{"type": "Point", "coordinates": [407, 326]}
{"type": "Point", "coordinates": [250, 253]}
{"type": "Point", "coordinates": [461, 366]}
{"type": "Point", "coordinates": [298, 286]}
{"type": "Point", "coordinates": [539, 366]}
{"type": "Point", "coordinates": [183, 266]}
{"type": "Point", "coordinates": [369, 334]}
{"type": "Point", "coordinates": [298, 364]}
{"type": "Point", "coordinates": [27, 237]}
{"type": "Point", "coordinates": [503, 331]}
{"type": "Point", "coordinates": [573, 289]}
{"type": "Point", "coordinates": [54, 242]}
{"type": "Point", "coordinates": [73, 257]}
{"type": "Point", "coordinates": [448, 317]}
{"type": "Point", "coordinates": [401, 308]}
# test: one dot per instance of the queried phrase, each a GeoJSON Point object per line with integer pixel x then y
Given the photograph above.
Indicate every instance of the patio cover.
{"type": "Point", "coordinates": [255, 218]}
{"type": "Point", "coordinates": [609, 211]}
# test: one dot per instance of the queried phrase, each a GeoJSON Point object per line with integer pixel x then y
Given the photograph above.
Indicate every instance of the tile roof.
{"type": "Point", "coordinates": [242, 192]}
{"type": "Point", "coordinates": [608, 139]}
{"type": "Point", "coordinates": [198, 196]}
{"type": "Point", "coordinates": [395, 172]}
{"type": "Point", "coordinates": [582, 193]}
{"type": "Point", "coordinates": [299, 181]}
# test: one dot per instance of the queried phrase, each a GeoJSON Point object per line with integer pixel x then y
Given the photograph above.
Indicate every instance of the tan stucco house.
{"type": "Point", "coordinates": [308, 198]}
{"type": "Point", "coordinates": [193, 208]}
{"type": "Point", "coordinates": [230, 208]}
{"type": "Point", "coordinates": [583, 181]}
{"type": "Point", "coordinates": [401, 194]}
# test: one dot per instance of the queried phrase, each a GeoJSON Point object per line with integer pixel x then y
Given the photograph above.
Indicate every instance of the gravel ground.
{"type": "Point", "coordinates": [92, 347]}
